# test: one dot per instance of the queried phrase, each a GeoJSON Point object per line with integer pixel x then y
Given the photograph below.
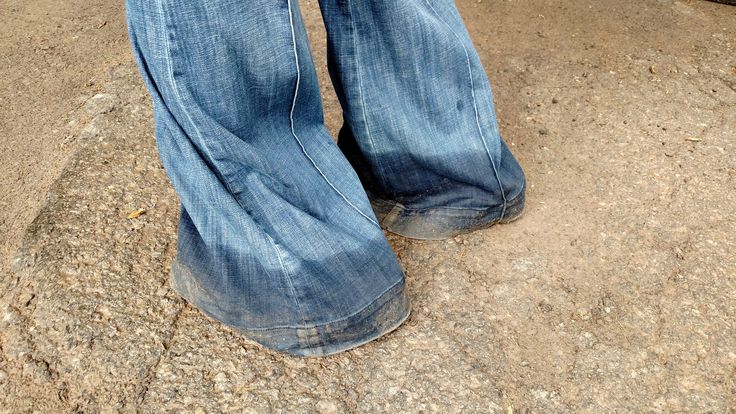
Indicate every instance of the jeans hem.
{"type": "Point", "coordinates": [443, 222]}
{"type": "Point", "coordinates": [381, 316]}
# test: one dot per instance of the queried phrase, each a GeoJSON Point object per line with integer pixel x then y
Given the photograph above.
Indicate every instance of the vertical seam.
{"type": "Point", "coordinates": [291, 120]}
{"type": "Point", "coordinates": [475, 105]}
{"type": "Point", "coordinates": [175, 87]}
{"type": "Point", "coordinates": [293, 293]}
{"type": "Point", "coordinates": [354, 35]}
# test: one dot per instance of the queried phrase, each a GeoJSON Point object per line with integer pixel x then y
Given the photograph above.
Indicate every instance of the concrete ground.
{"type": "Point", "coordinates": [615, 293]}
{"type": "Point", "coordinates": [53, 57]}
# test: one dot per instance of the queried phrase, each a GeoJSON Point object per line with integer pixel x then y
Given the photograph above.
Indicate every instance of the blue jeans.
{"type": "Point", "coordinates": [280, 235]}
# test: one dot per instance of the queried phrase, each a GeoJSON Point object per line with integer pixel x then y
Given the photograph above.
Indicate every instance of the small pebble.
{"type": "Point", "coordinates": [101, 103]}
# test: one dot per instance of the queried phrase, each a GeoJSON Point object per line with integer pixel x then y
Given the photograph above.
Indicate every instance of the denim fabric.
{"type": "Point", "coordinates": [280, 231]}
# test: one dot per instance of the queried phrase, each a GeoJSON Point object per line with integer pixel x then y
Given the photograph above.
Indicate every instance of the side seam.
{"type": "Point", "coordinates": [175, 88]}
{"type": "Point", "coordinates": [291, 119]}
{"type": "Point", "coordinates": [475, 104]}
{"type": "Point", "coordinates": [358, 74]}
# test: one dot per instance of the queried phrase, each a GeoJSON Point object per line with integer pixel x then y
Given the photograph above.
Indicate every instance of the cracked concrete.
{"type": "Point", "coordinates": [614, 293]}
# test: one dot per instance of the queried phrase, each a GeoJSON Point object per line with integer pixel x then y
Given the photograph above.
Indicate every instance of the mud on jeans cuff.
{"type": "Point", "coordinates": [439, 223]}
{"type": "Point", "coordinates": [380, 317]}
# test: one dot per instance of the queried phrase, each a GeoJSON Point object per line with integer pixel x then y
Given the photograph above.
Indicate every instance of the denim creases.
{"type": "Point", "coordinates": [447, 208]}
{"type": "Point", "coordinates": [439, 223]}
{"type": "Point", "coordinates": [384, 314]}
{"type": "Point", "coordinates": [280, 229]}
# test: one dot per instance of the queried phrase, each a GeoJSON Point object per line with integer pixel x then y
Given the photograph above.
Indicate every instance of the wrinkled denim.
{"type": "Point", "coordinates": [280, 235]}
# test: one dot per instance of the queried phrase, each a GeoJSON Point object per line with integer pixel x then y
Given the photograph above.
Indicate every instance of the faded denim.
{"type": "Point", "coordinates": [280, 235]}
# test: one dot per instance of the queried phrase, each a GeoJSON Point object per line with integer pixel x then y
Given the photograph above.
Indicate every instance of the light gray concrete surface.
{"type": "Point", "coordinates": [615, 293]}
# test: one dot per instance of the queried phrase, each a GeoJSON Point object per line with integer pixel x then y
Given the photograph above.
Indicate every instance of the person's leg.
{"type": "Point", "coordinates": [420, 127]}
{"type": "Point", "coordinates": [277, 238]}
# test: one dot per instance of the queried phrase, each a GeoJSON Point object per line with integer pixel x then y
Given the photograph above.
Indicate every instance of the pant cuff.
{"type": "Point", "coordinates": [380, 317]}
{"type": "Point", "coordinates": [439, 223]}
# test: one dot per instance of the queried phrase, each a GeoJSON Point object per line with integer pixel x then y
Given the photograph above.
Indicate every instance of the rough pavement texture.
{"type": "Point", "coordinates": [615, 293]}
{"type": "Point", "coordinates": [53, 56]}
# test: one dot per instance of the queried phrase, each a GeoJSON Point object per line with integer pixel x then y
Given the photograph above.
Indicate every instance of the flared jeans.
{"type": "Point", "coordinates": [281, 230]}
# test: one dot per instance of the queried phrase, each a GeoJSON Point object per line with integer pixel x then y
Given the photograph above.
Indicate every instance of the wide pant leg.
{"type": "Point", "coordinates": [277, 238]}
{"type": "Point", "coordinates": [420, 127]}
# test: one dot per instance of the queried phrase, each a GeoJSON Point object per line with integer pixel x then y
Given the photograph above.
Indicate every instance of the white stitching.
{"type": "Point", "coordinates": [175, 87]}
{"type": "Point", "coordinates": [291, 119]}
{"type": "Point", "coordinates": [475, 105]}
{"type": "Point", "coordinates": [293, 292]}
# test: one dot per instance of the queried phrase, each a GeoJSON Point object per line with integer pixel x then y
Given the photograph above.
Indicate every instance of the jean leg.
{"type": "Point", "coordinates": [420, 126]}
{"type": "Point", "coordinates": [277, 238]}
